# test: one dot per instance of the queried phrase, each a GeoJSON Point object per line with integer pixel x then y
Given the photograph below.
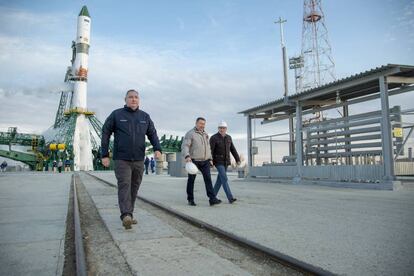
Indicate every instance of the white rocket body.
{"type": "Point", "coordinates": [80, 65]}
{"type": "Point", "coordinates": [82, 148]}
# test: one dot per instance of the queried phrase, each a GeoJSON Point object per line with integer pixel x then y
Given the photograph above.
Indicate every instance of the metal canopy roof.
{"type": "Point", "coordinates": [354, 86]}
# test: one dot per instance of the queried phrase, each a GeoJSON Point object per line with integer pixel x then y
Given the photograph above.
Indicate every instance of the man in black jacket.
{"type": "Point", "coordinates": [221, 145]}
{"type": "Point", "coordinates": [129, 125]}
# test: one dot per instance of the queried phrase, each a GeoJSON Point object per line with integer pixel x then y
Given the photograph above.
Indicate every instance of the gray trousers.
{"type": "Point", "coordinates": [129, 176]}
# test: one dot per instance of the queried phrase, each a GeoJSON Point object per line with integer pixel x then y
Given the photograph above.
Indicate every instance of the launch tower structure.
{"type": "Point", "coordinates": [75, 126]}
{"type": "Point", "coordinates": [315, 66]}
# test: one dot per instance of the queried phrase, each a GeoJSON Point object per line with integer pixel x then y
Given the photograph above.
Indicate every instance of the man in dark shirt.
{"type": "Point", "coordinates": [129, 125]}
{"type": "Point", "coordinates": [152, 162]}
{"type": "Point", "coordinates": [221, 145]}
{"type": "Point", "coordinates": [146, 163]}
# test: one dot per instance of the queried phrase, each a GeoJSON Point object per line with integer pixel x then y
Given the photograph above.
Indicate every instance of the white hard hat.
{"type": "Point", "coordinates": [191, 168]}
{"type": "Point", "coordinates": [222, 124]}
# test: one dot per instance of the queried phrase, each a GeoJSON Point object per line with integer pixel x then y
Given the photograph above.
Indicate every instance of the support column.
{"type": "Point", "coordinates": [291, 136]}
{"type": "Point", "coordinates": [249, 141]}
{"type": "Point", "coordinates": [271, 150]}
{"type": "Point", "coordinates": [387, 147]}
{"type": "Point", "coordinates": [345, 114]}
{"type": "Point", "coordinates": [299, 142]}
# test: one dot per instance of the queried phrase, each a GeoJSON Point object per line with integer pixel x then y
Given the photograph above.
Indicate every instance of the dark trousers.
{"type": "Point", "coordinates": [146, 168]}
{"type": "Point", "coordinates": [129, 176]}
{"type": "Point", "coordinates": [204, 167]}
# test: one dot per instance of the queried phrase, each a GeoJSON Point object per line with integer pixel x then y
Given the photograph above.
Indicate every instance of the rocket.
{"type": "Point", "coordinates": [80, 64]}
{"type": "Point", "coordinates": [82, 148]}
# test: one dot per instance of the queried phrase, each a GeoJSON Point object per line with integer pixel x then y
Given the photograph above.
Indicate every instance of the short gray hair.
{"type": "Point", "coordinates": [131, 90]}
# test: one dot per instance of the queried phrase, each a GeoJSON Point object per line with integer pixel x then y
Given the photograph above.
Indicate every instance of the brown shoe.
{"type": "Point", "coordinates": [126, 222]}
{"type": "Point", "coordinates": [134, 221]}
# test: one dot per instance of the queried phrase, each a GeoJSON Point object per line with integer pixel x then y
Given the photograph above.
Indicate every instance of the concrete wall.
{"type": "Point", "coordinates": [336, 173]}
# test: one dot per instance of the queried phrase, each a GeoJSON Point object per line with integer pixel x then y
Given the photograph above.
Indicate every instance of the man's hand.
{"type": "Point", "coordinates": [238, 163]}
{"type": "Point", "coordinates": [157, 154]}
{"type": "Point", "coordinates": [211, 163]}
{"type": "Point", "coordinates": [106, 162]}
{"type": "Point", "coordinates": [188, 159]}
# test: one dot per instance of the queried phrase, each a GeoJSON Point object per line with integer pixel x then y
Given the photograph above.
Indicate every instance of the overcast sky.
{"type": "Point", "coordinates": [187, 58]}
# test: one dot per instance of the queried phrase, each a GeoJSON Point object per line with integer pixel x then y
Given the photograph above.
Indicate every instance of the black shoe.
{"type": "Point", "coordinates": [232, 200]}
{"type": "Point", "coordinates": [215, 201]}
{"type": "Point", "coordinates": [191, 203]}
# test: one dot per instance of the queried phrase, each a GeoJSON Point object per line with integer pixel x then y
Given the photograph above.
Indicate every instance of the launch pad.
{"type": "Point", "coordinates": [75, 135]}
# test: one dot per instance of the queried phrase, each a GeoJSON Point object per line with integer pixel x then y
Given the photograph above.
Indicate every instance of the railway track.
{"type": "Point", "coordinates": [252, 247]}
{"type": "Point", "coordinates": [80, 259]}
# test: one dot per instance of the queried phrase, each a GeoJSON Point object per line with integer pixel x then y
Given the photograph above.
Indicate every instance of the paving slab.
{"type": "Point", "coordinates": [31, 258]}
{"type": "Point", "coordinates": [176, 256]}
{"type": "Point", "coordinates": [345, 231]}
{"type": "Point", "coordinates": [33, 209]}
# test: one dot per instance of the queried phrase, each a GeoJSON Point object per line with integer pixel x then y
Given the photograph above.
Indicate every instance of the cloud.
{"type": "Point", "coordinates": [175, 87]}
{"type": "Point", "coordinates": [176, 81]}
{"type": "Point", "coordinates": [25, 23]}
{"type": "Point", "coordinates": [403, 25]}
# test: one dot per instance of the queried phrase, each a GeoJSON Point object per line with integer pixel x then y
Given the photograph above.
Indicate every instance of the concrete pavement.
{"type": "Point", "coordinates": [33, 209]}
{"type": "Point", "coordinates": [345, 231]}
{"type": "Point", "coordinates": [152, 247]}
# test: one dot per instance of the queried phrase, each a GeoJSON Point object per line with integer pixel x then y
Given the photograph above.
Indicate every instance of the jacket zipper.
{"type": "Point", "coordinates": [205, 147]}
{"type": "Point", "coordinates": [133, 138]}
{"type": "Point", "coordinates": [204, 144]}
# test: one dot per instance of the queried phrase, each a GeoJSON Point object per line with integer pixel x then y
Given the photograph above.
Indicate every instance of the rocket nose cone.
{"type": "Point", "coordinates": [84, 12]}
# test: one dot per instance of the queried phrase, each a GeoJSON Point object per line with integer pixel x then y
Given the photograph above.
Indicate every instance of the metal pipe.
{"type": "Point", "coordinates": [340, 133]}
{"type": "Point", "coordinates": [249, 141]}
{"type": "Point", "coordinates": [373, 114]}
{"type": "Point", "coordinates": [345, 114]}
{"type": "Point", "coordinates": [342, 140]}
{"type": "Point", "coordinates": [346, 125]}
{"type": "Point", "coordinates": [299, 142]}
{"type": "Point", "coordinates": [344, 154]}
{"type": "Point", "coordinates": [353, 146]}
{"type": "Point", "coordinates": [271, 150]}
{"type": "Point", "coordinates": [291, 136]}
{"type": "Point", "coordinates": [267, 140]}
{"type": "Point", "coordinates": [268, 136]}
{"type": "Point", "coordinates": [387, 147]}
{"type": "Point", "coordinates": [284, 57]}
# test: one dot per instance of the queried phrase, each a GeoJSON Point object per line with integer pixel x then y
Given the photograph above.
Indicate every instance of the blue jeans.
{"type": "Point", "coordinates": [222, 180]}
